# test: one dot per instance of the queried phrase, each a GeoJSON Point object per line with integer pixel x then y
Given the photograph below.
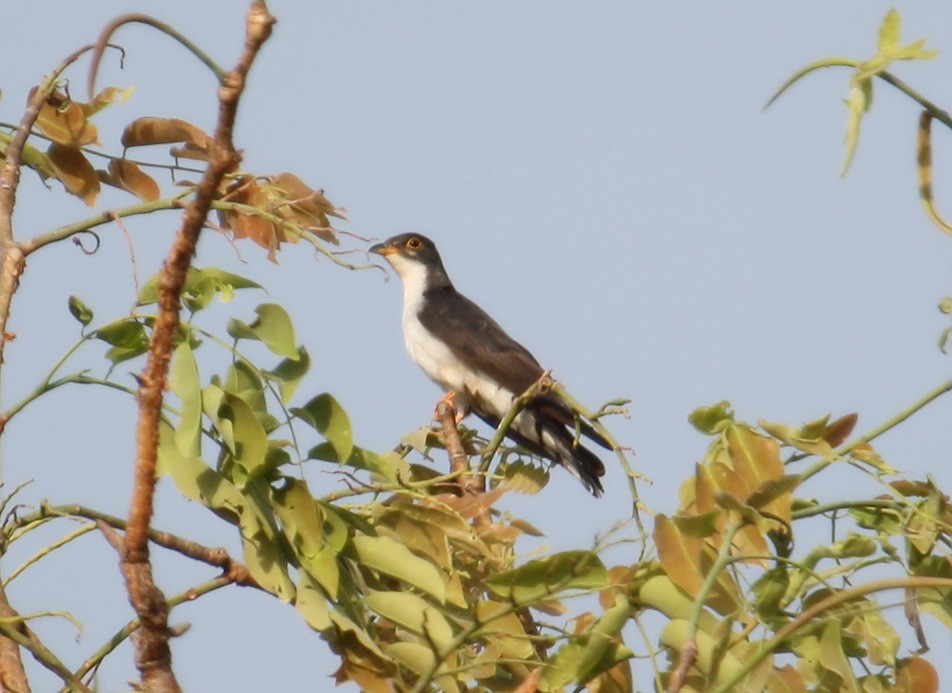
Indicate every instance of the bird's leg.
{"type": "Point", "coordinates": [459, 413]}
{"type": "Point", "coordinates": [544, 382]}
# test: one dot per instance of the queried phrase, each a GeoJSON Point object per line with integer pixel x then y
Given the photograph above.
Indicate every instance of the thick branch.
{"type": "Point", "coordinates": [153, 656]}
{"type": "Point", "coordinates": [12, 674]}
{"type": "Point", "coordinates": [459, 461]}
{"type": "Point", "coordinates": [469, 483]}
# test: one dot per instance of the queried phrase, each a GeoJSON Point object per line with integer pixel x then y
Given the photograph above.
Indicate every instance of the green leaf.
{"type": "Point", "coordinates": [304, 525]}
{"type": "Point", "coordinates": [413, 613]}
{"type": "Point", "coordinates": [264, 559]}
{"type": "Point", "coordinates": [525, 477]}
{"type": "Point", "coordinates": [127, 336]}
{"type": "Point", "coordinates": [604, 648]}
{"type": "Point", "coordinates": [80, 311]}
{"type": "Point", "coordinates": [857, 103]}
{"type": "Point", "coordinates": [769, 590]}
{"type": "Point", "coordinates": [414, 656]}
{"type": "Point", "coordinates": [327, 416]}
{"type": "Point", "coordinates": [196, 480]}
{"type": "Point", "coordinates": [311, 603]}
{"type": "Point", "coordinates": [289, 373]}
{"type": "Point", "coordinates": [832, 656]}
{"type": "Point", "coordinates": [889, 31]}
{"type": "Point", "coordinates": [502, 627]}
{"type": "Point", "coordinates": [184, 379]}
{"type": "Point", "coordinates": [853, 546]}
{"type": "Point", "coordinates": [770, 490]}
{"type": "Point", "coordinates": [697, 526]}
{"type": "Point", "coordinates": [300, 515]}
{"type": "Point", "coordinates": [542, 578]}
{"type": "Point", "coordinates": [935, 600]}
{"type": "Point", "coordinates": [127, 332]}
{"type": "Point", "coordinates": [200, 286]}
{"type": "Point", "coordinates": [272, 327]}
{"type": "Point", "coordinates": [713, 419]}
{"type": "Point", "coordinates": [386, 555]}
{"type": "Point", "coordinates": [243, 434]}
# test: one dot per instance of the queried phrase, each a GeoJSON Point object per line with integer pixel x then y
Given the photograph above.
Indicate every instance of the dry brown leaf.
{"type": "Point", "coordinates": [127, 175]}
{"type": "Point", "coordinates": [189, 150]}
{"type": "Point", "coordinates": [304, 206]}
{"type": "Point", "coordinates": [107, 96]}
{"type": "Point", "coordinates": [246, 191]}
{"type": "Point", "coordinates": [75, 172]}
{"type": "Point", "coordinates": [150, 130]}
{"type": "Point", "coordinates": [65, 121]}
{"type": "Point", "coordinates": [838, 431]}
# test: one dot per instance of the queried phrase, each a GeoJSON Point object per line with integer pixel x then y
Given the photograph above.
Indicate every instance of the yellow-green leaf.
{"type": "Point", "coordinates": [889, 31]}
{"type": "Point", "coordinates": [184, 379]}
{"type": "Point", "coordinates": [388, 556]}
{"type": "Point", "coordinates": [680, 554]}
{"type": "Point", "coordinates": [328, 417]}
{"type": "Point", "coordinates": [546, 577]}
{"type": "Point", "coordinates": [413, 613]}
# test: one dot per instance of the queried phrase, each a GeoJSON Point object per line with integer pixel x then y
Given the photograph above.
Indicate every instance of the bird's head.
{"type": "Point", "coordinates": [411, 254]}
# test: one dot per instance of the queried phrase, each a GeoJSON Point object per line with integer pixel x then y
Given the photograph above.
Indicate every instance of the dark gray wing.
{"type": "Point", "coordinates": [479, 341]}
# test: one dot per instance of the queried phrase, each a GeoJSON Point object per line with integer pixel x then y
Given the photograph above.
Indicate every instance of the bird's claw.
{"type": "Point", "coordinates": [459, 413]}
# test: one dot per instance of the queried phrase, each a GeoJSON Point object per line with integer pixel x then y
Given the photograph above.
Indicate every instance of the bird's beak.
{"type": "Point", "coordinates": [382, 249]}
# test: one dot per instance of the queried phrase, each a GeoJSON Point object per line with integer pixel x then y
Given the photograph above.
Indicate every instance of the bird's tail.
{"type": "Point", "coordinates": [548, 437]}
{"type": "Point", "coordinates": [581, 462]}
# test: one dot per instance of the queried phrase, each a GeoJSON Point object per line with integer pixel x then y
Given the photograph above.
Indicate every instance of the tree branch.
{"type": "Point", "coordinates": [12, 264]}
{"type": "Point", "coordinates": [153, 656]}
{"type": "Point", "coordinates": [12, 675]}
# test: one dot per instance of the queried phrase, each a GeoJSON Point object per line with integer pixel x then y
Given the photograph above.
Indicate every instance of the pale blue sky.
{"type": "Point", "coordinates": [599, 177]}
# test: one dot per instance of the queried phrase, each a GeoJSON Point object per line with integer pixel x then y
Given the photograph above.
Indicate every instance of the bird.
{"type": "Point", "coordinates": [481, 368]}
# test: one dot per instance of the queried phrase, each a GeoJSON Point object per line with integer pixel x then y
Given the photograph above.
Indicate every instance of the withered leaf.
{"type": "Point", "coordinates": [246, 191]}
{"type": "Point", "coordinates": [304, 206]}
{"type": "Point", "coordinates": [107, 96]}
{"type": "Point", "coordinates": [189, 150]}
{"type": "Point", "coordinates": [838, 431]}
{"type": "Point", "coordinates": [151, 130]}
{"type": "Point", "coordinates": [127, 175]}
{"type": "Point", "coordinates": [65, 121]}
{"type": "Point", "coordinates": [75, 172]}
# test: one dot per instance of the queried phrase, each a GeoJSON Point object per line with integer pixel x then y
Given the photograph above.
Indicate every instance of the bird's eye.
{"type": "Point", "coordinates": [414, 244]}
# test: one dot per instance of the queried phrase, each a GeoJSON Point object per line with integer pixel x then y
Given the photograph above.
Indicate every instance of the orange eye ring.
{"type": "Point", "coordinates": [414, 244]}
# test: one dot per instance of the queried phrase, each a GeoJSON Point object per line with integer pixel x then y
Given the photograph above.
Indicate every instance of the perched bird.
{"type": "Point", "coordinates": [481, 367]}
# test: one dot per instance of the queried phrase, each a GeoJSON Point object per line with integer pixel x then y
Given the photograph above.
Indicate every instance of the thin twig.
{"type": "Point", "coordinates": [191, 594]}
{"type": "Point", "coordinates": [138, 17]}
{"type": "Point", "coordinates": [14, 629]}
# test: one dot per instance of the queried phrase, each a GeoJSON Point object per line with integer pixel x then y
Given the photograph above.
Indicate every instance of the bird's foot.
{"type": "Point", "coordinates": [449, 400]}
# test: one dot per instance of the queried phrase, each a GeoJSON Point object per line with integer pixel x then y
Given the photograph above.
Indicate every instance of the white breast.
{"type": "Point", "coordinates": [432, 355]}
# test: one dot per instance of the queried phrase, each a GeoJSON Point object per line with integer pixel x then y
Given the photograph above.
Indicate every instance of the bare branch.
{"type": "Point", "coordinates": [469, 484]}
{"type": "Point", "coordinates": [153, 656]}
{"type": "Point", "coordinates": [12, 675]}
{"type": "Point", "coordinates": [12, 264]}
